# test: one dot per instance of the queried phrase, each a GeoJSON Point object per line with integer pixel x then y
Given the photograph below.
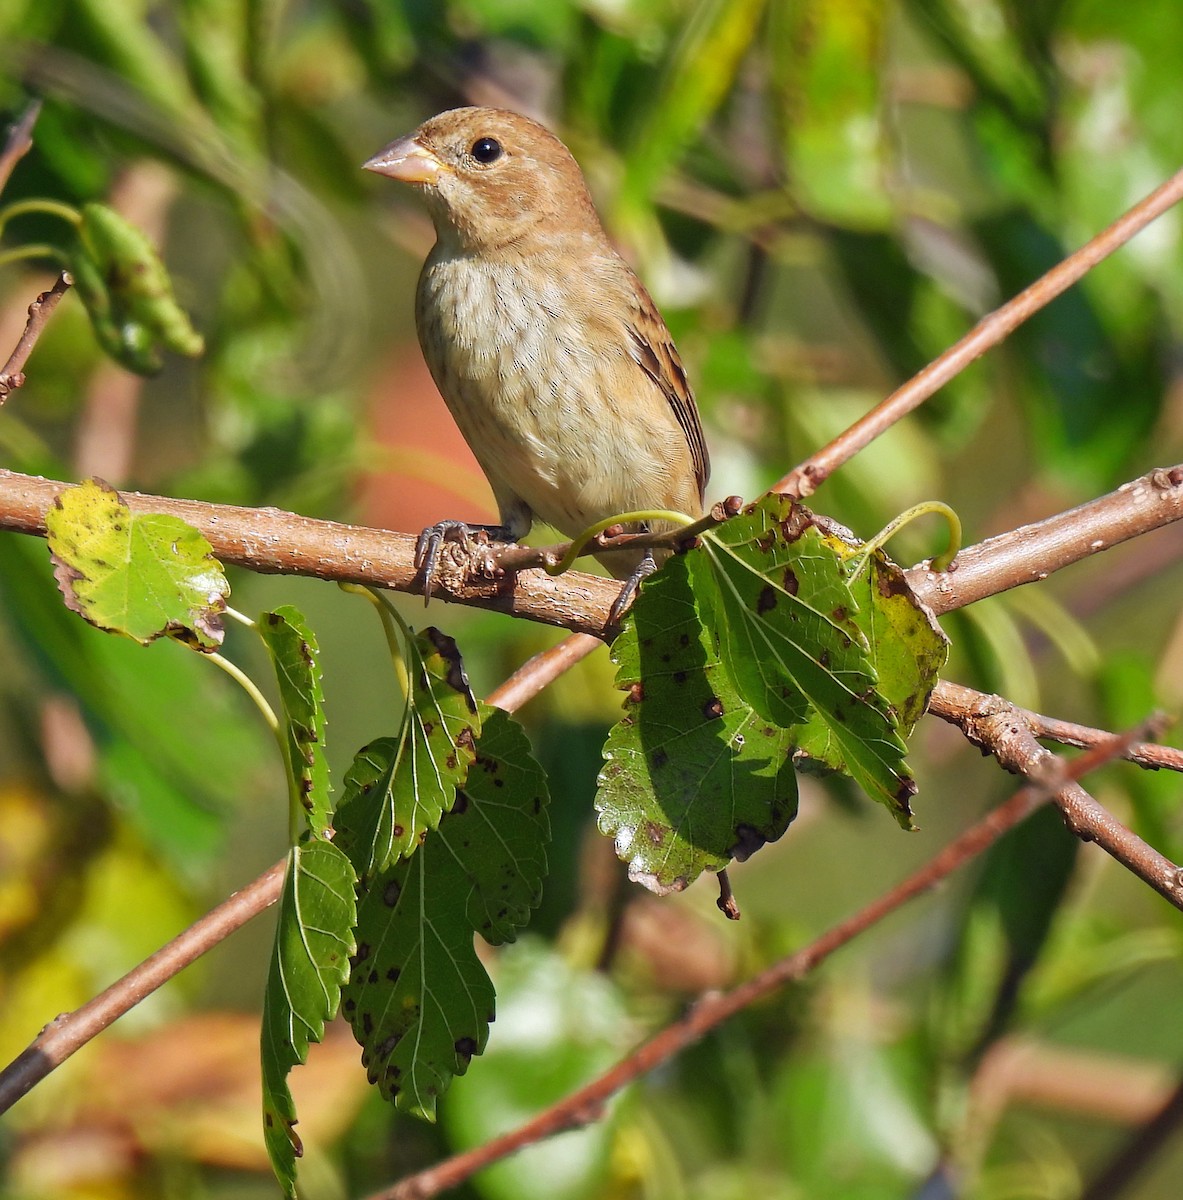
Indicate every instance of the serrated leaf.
{"type": "Point", "coordinates": [309, 964]}
{"type": "Point", "coordinates": [143, 575]}
{"type": "Point", "coordinates": [418, 999]}
{"type": "Point", "coordinates": [907, 646]}
{"type": "Point", "coordinates": [294, 654]}
{"type": "Point", "coordinates": [778, 591]}
{"type": "Point", "coordinates": [694, 777]}
{"type": "Point", "coordinates": [398, 788]}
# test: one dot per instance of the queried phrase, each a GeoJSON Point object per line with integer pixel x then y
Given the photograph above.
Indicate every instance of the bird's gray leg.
{"type": "Point", "coordinates": [645, 567]}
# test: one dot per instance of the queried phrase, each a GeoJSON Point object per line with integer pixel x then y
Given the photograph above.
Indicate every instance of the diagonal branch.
{"type": "Point", "coordinates": [271, 541]}
{"type": "Point", "coordinates": [1001, 729]}
{"type": "Point", "coordinates": [19, 141]}
{"type": "Point", "coordinates": [1033, 552]}
{"type": "Point", "coordinates": [12, 374]}
{"type": "Point", "coordinates": [587, 1103]}
{"type": "Point", "coordinates": [953, 701]}
{"type": "Point", "coordinates": [807, 477]}
{"type": "Point", "coordinates": [69, 1032]}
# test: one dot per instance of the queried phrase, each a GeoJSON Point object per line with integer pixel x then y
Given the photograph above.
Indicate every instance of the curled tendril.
{"type": "Point", "coordinates": [940, 562]}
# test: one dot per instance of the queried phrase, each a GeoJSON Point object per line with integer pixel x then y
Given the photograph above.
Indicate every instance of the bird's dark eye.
{"type": "Point", "coordinates": [486, 150]}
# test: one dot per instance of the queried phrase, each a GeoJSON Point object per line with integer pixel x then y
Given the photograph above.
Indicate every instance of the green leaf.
{"type": "Point", "coordinates": [309, 964]}
{"type": "Point", "coordinates": [827, 60]}
{"type": "Point", "coordinates": [761, 649]}
{"type": "Point", "coordinates": [697, 74]}
{"type": "Point", "coordinates": [398, 788]}
{"type": "Point", "coordinates": [693, 777]}
{"type": "Point", "coordinates": [777, 588]}
{"type": "Point", "coordinates": [143, 575]}
{"type": "Point", "coordinates": [294, 653]}
{"type": "Point", "coordinates": [418, 999]}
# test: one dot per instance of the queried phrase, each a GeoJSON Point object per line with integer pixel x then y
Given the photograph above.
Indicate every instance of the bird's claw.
{"type": "Point", "coordinates": [432, 539]}
{"type": "Point", "coordinates": [628, 590]}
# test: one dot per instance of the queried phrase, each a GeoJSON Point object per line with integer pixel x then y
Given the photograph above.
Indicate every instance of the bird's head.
{"type": "Point", "coordinates": [491, 178]}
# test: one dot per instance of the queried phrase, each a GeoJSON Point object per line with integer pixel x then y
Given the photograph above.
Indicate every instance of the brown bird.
{"type": "Point", "coordinates": [549, 352]}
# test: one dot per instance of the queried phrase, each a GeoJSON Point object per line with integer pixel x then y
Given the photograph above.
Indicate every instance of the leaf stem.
{"type": "Point", "coordinates": [36, 250]}
{"type": "Point", "coordinates": [50, 208]}
{"type": "Point", "coordinates": [575, 549]}
{"type": "Point", "coordinates": [249, 686]}
{"type": "Point", "coordinates": [241, 618]}
{"type": "Point", "coordinates": [394, 627]}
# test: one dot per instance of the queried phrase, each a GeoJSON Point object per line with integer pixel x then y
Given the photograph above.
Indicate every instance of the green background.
{"type": "Point", "coordinates": [821, 197]}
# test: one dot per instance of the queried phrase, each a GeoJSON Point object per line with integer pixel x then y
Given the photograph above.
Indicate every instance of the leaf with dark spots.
{"type": "Point", "coordinates": [309, 962]}
{"type": "Point", "coordinates": [294, 655]}
{"type": "Point", "coordinates": [398, 788]}
{"type": "Point", "coordinates": [683, 766]}
{"type": "Point", "coordinates": [455, 675]}
{"type": "Point", "coordinates": [423, 1007]}
{"type": "Point", "coordinates": [808, 663]}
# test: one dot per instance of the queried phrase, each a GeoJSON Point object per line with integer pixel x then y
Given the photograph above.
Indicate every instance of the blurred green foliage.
{"type": "Point", "coordinates": [822, 196]}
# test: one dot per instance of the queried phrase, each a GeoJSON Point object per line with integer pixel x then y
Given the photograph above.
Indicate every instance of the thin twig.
{"type": "Point", "coordinates": [71, 1031]}
{"type": "Point", "coordinates": [19, 141]}
{"type": "Point", "coordinates": [12, 375]}
{"type": "Point", "coordinates": [998, 727]}
{"type": "Point", "coordinates": [953, 701]}
{"type": "Point", "coordinates": [536, 673]}
{"type": "Point", "coordinates": [804, 479]}
{"type": "Point", "coordinates": [588, 1102]}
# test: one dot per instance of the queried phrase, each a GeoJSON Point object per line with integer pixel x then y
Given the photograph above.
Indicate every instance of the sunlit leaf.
{"type": "Point", "coordinates": [693, 776]}
{"type": "Point", "coordinates": [309, 963]}
{"type": "Point", "coordinates": [143, 575]}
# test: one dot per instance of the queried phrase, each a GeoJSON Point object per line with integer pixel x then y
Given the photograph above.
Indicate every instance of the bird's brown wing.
{"type": "Point", "coordinates": [657, 356]}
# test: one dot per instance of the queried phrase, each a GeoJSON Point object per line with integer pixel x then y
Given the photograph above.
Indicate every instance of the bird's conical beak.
{"type": "Point", "coordinates": [406, 160]}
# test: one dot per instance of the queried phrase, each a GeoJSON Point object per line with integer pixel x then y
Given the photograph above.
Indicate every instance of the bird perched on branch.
{"type": "Point", "coordinates": [549, 352]}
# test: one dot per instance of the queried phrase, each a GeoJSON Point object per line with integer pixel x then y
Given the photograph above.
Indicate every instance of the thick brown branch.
{"type": "Point", "coordinates": [587, 1104]}
{"type": "Point", "coordinates": [805, 478]}
{"type": "Point", "coordinates": [1003, 730]}
{"type": "Point", "coordinates": [12, 374]}
{"type": "Point", "coordinates": [270, 541]}
{"type": "Point", "coordinates": [1033, 552]}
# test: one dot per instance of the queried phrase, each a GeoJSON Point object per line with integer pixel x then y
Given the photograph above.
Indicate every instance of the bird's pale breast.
{"type": "Point", "coordinates": [543, 384]}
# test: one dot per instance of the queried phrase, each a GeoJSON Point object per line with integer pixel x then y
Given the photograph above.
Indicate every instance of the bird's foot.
{"type": "Point", "coordinates": [645, 567]}
{"type": "Point", "coordinates": [432, 539]}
